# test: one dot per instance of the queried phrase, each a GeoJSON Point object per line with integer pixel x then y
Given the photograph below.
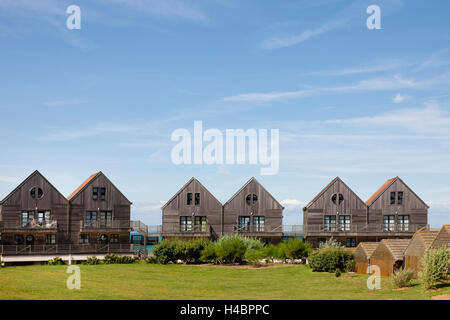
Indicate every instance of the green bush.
{"type": "Point", "coordinates": [330, 243]}
{"type": "Point", "coordinates": [113, 258]}
{"type": "Point", "coordinates": [254, 256]}
{"type": "Point", "coordinates": [435, 267]}
{"type": "Point", "coordinates": [402, 278]}
{"type": "Point", "coordinates": [296, 249]}
{"type": "Point", "coordinates": [230, 249]}
{"type": "Point", "coordinates": [56, 261]}
{"type": "Point", "coordinates": [172, 250]}
{"type": "Point", "coordinates": [275, 252]}
{"type": "Point", "coordinates": [330, 259]}
{"type": "Point", "coordinates": [92, 260]}
{"type": "Point", "coordinates": [151, 260]}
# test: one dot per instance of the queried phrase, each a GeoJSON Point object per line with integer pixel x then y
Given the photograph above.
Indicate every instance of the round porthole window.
{"type": "Point", "coordinates": [36, 193]}
{"type": "Point", "coordinates": [251, 199]}
{"type": "Point", "coordinates": [103, 238]}
{"type": "Point", "coordinates": [337, 198]}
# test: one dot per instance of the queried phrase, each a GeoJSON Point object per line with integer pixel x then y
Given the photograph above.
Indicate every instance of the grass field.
{"type": "Point", "coordinates": [146, 281]}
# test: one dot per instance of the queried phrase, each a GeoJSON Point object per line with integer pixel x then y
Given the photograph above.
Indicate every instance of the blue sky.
{"type": "Point", "coordinates": [365, 105]}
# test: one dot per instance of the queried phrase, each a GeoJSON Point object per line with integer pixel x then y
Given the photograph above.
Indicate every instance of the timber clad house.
{"type": "Point", "coordinates": [36, 219]}
{"type": "Point", "coordinates": [393, 212]}
{"type": "Point", "coordinates": [194, 212]}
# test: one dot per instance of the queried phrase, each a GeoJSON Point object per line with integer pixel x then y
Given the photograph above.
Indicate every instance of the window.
{"type": "Point", "coordinates": [344, 223]}
{"type": "Point", "coordinates": [186, 224]}
{"type": "Point", "coordinates": [337, 198]}
{"type": "Point", "coordinates": [105, 219]}
{"type": "Point", "coordinates": [330, 223]}
{"type": "Point", "coordinates": [197, 199]}
{"type": "Point", "coordinates": [403, 223]}
{"type": "Point", "coordinates": [50, 239]}
{"type": "Point", "coordinates": [114, 238]}
{"type": "Point", "coordinates": [91, 219]}
{"type": "Point", "coordinates": [104, 238]}
{"type": "Point", "coordinates": [200, 224]}
{"type": "Point", "coordinates": [251, 199]}
{"type": "Point", "coordinates": [388, 223]}
{"type": "Point", "coordinates": [350, 242]}
{"type": "Point", "coordinates": [400, 197]}
{"type": "Point", "coordinates": [94, 193]}
{"type": "Point", "coordinates": [392, 197]}
{"type": "Point", "coordinates": [41, 216]}
{"type": "Point", "coordinates": [36, 192]}
{"type": "Point", "coordinates": [258, 223]}
{"type": "Point", "coordinates": [27, 218]}
{"type": "Point", "coordinates": [84, 239]}
{"type": "Point", "coordinates": [189, 199]}
{"type": "Point", "coordinates": [18, 239]}
{"type": "Point", "coordinates": [244, 224]}
{"type": "Point", "coordinates": [102, 193]}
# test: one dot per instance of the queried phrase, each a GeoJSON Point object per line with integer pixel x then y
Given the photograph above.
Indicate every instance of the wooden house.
{"type": "Point", "coordinates": [192, 212]}
{"type": "Point", "coordinates": [336, 211]}
{"type": "Point", "coordinates": [252, 211]}
{"type": "Point", "coordinates": [442, 238]}
{"type": "Point", "coordinates": [419, 244]}
{"type": "Point", "coordinates": [34, 213]}
{"type": "Point", "coordinates": [362, 256]}
{"type": "Point", "coordinates": [389, 255]}
{"type": "Point", "coordinates": [99, 213]}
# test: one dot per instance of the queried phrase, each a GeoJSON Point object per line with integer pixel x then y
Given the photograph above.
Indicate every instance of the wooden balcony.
{"type": "Point", "coordinates": [105, 226]}
{"type": "Point", "coordinates": [258, 230]}
{"type": "Point", "coordinates": [30, 226]}
{"type": "Point", "coordinates": [188, 231]}
{"type": "Point", "coordinates": [63, 249]}
{"type": "Point", "coordinates": [366, 230]}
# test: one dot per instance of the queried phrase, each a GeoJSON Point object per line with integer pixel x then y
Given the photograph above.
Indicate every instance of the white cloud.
{"type": "Point", "coordinates": [9, 179]}
{"type": "Point", "coordinates": [399, 98]}
{"type": "Point", "coordinates": [293, 204]}
{"type": "Point", "coordinates": [98, 130]}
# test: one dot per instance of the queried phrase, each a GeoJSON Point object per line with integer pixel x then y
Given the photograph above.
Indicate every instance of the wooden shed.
{"type": "Point", "coordinates": [419, 244]}
{"type": "Point", "coordinates": [442, 238]}
{"type": "Point", "coordinates": [362, 256]}
{"type": "Point", "coordinates": [388, 256]}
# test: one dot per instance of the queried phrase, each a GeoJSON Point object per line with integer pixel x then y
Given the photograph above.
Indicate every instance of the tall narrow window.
{"type": "Point", "coordinates": [91, 219]}
{"type": "Point", "coordinates": [189, 199]}
{"type": "Point", "coordinates": [244, 224]}
{"type": "Point", "coordinates": [329, 223]}
{"type": "Point", "coordinates": [185, 224]}
{"type": "Point", "coordinates": [105, 219]}
{"type": "Point", "coordinates": [50, 239]}
{"type": "Point", "coordinates": [403, 223]}
{"type": "Point", "coordinates": [344, 223]}
{"type": "Point", "coordinates": [102, 193]}
{"type": "Point", "coordinates": [400, 197]}
{"type": "Point", "coordinates": [197, 199]}
{"type": "Point", "coordinates": [114, 238]}
{"type": "Point", "coordinates": [258, 224]}
{"type": "Point", "coordinates": [350, 242]}
{"type": "Point", "coordinates": [94, 193]}
{"type": "Point", "coordinates": [200, 224]}
{"type": "Point", "coordinates": [392, 197]}
{"type": "Point", "coordinates": [388, 223]}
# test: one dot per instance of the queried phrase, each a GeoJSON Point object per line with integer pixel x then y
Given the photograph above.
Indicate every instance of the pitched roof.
{"type": "Point", "coordinates": [184, 186]}
{"type": "Point", "coordinates": [26, 180]}
{"type": "Point", "coordinates": [380, 191]}
{"type": "Point", "coordinates": [245, 185]}
{"type": "Point", "coordinates": [427, 236]}
{"type": "Point", "coordinates": [83, 185]}
{"type": "Point", "coordinates": [326, 188]}
{"type": "Point", "coordinates": [369, 247]}
{"type": "Point", "coordinates": [397, 247]}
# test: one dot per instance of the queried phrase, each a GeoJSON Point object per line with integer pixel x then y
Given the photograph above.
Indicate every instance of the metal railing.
{"type": "Point", "coordinates": [292, 229]}
{"type": "Point", "coordinates": [104, 224]}
{"type": "Point", "coordinates": [371, 228]}
{"type": "Point", "coordinates": [187, 229]}
{"type": "Point", "coordinates": [64, 249]}
{"type": "Point", "coordinates": [252, 228]}
{"type": "Point", "coordinates": [31, 224]}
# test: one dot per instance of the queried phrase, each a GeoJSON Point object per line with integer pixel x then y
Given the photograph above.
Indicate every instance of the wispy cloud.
{"type": "Point", "coordinates": [371, 68]}
{"type": "Point", "coordinates": [97, 130]}
{"type": "Point", "coordinates": [399, 98]}
{"type": "Point", "coordinates": [9, 179]}
{"type": "Point", "coordinates": [292, 204]}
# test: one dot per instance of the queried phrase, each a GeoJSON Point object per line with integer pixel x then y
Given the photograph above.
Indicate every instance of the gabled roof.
{"type": "Point", "coordinates": [385, 186]}
{"type": "Point", "coordinates": [427, 236]}
{"type": "Point", "coordinates": [88, 181]}
{"type": "Point", "coordinates": [184, 186]}
{"type": "Point", "coordinates": [369, 247]}
{"type": "Point", "coordinates": [327, 187]}
{"type": "Point", "coordinates": [397, 247]}
{"type": "Point", "coordinates": [35, 172]}
{"type": "Point", "coordinates": [246, 184]}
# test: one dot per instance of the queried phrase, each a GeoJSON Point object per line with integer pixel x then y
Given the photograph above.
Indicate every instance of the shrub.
{"type": "Point", "coordinates": [56, 261]}
{"type": "Point", "coordinates": [151, 260]}
{"type": "Point", "coordinates": [230, 249]}
{"type": "Point", "coordinates": [165, 252]}
{"type": "Point", "coordinates": [172, 250]}
{"type": "Point", "coordinates": [402, 278]}
{"type": "Point", "coordinates": [254, 256]}
{"type": "Point", "coordinates": [92, 260]}
{"type": "Point", "coordinates": [209, 253]}
{"type": "Point", "coordinates": [435, 267]}
{"type": "Point", "coordinates": [330, 243]}
{"type": "Point", "coordinates": [275, 252]}
{"type": "Point", "coordinates": [113, 258]}
{"type": "Point", "coordinates": [338, 273]}
{"type": "Point", "coordinates": [330, 259]}
{"type": "Point", "coordinates": [296, 249]}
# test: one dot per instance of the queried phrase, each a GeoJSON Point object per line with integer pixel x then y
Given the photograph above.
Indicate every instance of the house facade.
{"type": "Point", "coordinates": [194, 212]}
{"type": "Point", "coordinates": [393, 212]}
{"type": "Point", "coordinates": [35, 218]}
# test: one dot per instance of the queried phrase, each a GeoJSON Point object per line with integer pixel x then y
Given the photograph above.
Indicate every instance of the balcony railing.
{"type": "Point", "coordinates": [27, 225]}
{"type": "Point", "coordinates": [257, 229]}
{"type": "Point", "coordinates": [106, 224]}
{"type": "Point", "coordinates": [292, 230]}
{"type": "Point", "coordinates": [187, 230]}
{"type": "Point", "coordinates": [371, 228]}
{"type": "Point", "coordinates": [64, 249]}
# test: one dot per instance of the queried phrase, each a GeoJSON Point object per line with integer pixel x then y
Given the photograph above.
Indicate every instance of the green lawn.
{"type": "Point", "coordinates": [146, 281]}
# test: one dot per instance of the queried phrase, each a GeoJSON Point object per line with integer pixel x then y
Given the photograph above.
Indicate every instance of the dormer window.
{"type": "Point", "coordinates": [251, 199]}
{"type": "Point", "coordinates": [337, 198]}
